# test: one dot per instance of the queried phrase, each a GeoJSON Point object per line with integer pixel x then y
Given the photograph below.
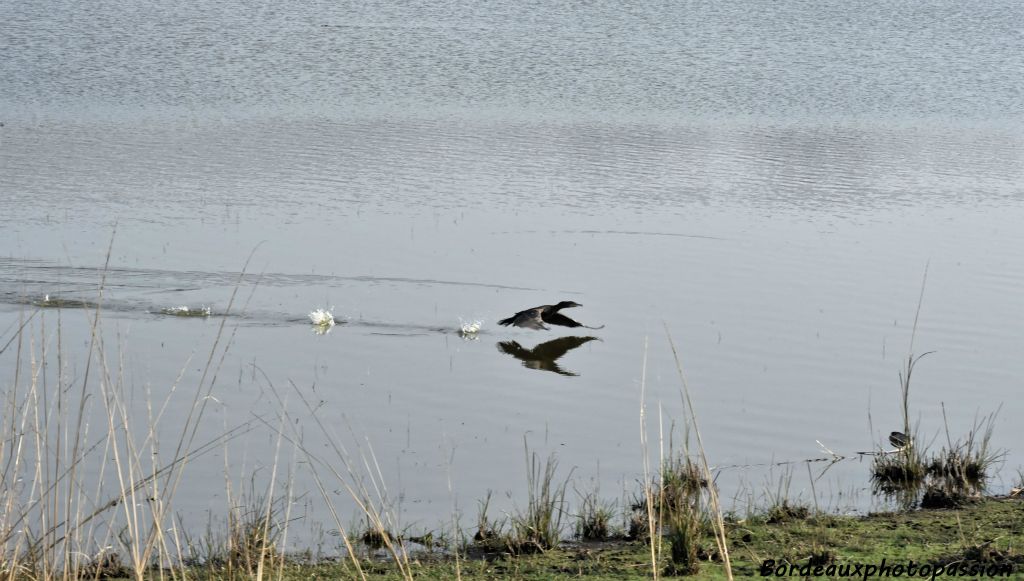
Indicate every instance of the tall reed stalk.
{"type": "Point", "coordinates": [82, 477]}
{"type": "Point", "coordinates": [714, 503]}
{"type": "Point", "coordinates": [539, 527]}
{"type": "Point", "coordinates": [654, 543]}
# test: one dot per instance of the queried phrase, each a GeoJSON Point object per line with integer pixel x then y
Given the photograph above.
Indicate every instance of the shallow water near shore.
{"type": "Point", "coordinates": [768, 197]}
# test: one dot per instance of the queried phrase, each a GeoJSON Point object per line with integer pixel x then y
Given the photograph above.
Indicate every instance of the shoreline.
{"type": "Point", "coordinates": [982, 539]}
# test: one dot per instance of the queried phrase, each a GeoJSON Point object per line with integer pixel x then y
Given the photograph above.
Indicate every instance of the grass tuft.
{"type": "Point", "coordinates": [969, 462]}
{"type": "Point", "coordinates": [376, 538]}
{"type": "Point", "coordinates": [905, 469]}
{"type": "Point", "coordinates": [594, 521]}
{"type": "Point", "coordinates": [490, 533]}
{"type": "Point", "coordinates": [539, 528]}
{"type": "Point", "coordinates": [106, 564]}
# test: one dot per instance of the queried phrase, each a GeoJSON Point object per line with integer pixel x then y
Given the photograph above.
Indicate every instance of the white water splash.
{"type": "Point", "coordinates": [469, 329]}
{"type": "Point", "coordinates": [322, 320]}
{"type": "Point", "coordinates": [185, 311]}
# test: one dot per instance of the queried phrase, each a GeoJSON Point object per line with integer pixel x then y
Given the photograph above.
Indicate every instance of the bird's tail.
{"type": "Point", "coordinates": [594, 328]}
{"type": "Point", "coordinates": [506, 322]}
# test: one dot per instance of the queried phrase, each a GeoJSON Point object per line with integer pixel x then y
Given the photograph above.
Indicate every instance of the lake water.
{"type": "Point", "coordinates": [768, 180]}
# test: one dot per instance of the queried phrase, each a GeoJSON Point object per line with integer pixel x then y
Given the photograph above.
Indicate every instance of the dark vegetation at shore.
{"type": "Point", "coordinates": [986, 532]}
{"type": "Point", "coordinates": [55, 522]}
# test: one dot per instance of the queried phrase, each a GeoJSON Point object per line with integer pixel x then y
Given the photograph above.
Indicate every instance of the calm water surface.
{"type": "Point", "coordinates": [768, 180]}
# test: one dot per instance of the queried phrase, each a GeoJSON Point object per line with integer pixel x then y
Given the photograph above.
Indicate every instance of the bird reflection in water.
{"type": "Point", "coordinates": [544, 355]}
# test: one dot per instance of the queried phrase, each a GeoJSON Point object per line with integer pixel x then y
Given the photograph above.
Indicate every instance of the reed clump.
{"type": "Point", "coordinates": [907, 467]}
{"type": "Point", "coordinates": [594, 521]}
{"type": "Point", "coordinates": [539, 526]}
{"type": "Point", "coordinates": [679, 499]}
{"type": "Point", "coordinates": [685, 534]}
{"type": "Point", "coordinates": [944, 479]}
{"type": "Point", "coordinates": [253, 536]}
{"type": "Point", "coordinates": [968, 462]}
{"type": "Point", "coordinates": [941, 480]}
{"type": "Point", "coordinates": [491, 535]}
{"type": "Point", "coordinates": [786, 511]}
{"type": "Point", "coordinates": [681, 483]}
{"type": "Point", "coordinates": [682, 504]}
{"type": "Point", "coordinates": [674, 506]}
{"type": "Point", "coordinates": [375, 538]}
{"type": "Point", "coordinates": [106, 564]}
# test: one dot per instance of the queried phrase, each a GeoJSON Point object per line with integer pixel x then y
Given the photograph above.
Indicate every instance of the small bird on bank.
{"type": "Point", "coordinates": [536, 317]}
{"type": "Point", "coordinates": [899, 439]}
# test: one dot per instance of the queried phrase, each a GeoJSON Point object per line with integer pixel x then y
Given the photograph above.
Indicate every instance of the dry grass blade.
{"type": "Point", "coordinates": [58, 516]}
{"type": "Point", "coordinates": [374, 505]}
{"type": "Point", "coordinates": [295, 438]}
{"type": "Point", "coordinates": [716, 508]}
{"type": "Point", "coordinates": [648, 486]}
{"type": "Point", "coordinates": [540, 527]}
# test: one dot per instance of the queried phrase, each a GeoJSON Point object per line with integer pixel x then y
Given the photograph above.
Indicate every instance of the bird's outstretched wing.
{"type": "Point", "coordinates": [528, 319]}
{"type": "Point", "coordinates": [560, 319]}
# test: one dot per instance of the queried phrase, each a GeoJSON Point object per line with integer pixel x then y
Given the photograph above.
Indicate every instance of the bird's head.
{"type": "Point", "coordinates": [567, 304]}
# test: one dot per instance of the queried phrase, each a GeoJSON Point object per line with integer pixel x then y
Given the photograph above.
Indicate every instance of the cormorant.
{"type": "Point", "coordinates": [536, 317]}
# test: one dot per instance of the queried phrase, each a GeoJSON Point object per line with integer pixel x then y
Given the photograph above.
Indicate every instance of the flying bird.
{"type": "Point", "coordinates": [536, 317]}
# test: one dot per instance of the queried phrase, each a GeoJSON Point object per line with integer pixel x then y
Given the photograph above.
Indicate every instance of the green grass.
{"type": "Point", "coordinates": [595, 519]}
{"type": "Point", "coordinates": [74, 529]}
{"type": "Point", "coordinates": [988, 531]}
{"type": "Point", "coordinates": [539, 526]}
